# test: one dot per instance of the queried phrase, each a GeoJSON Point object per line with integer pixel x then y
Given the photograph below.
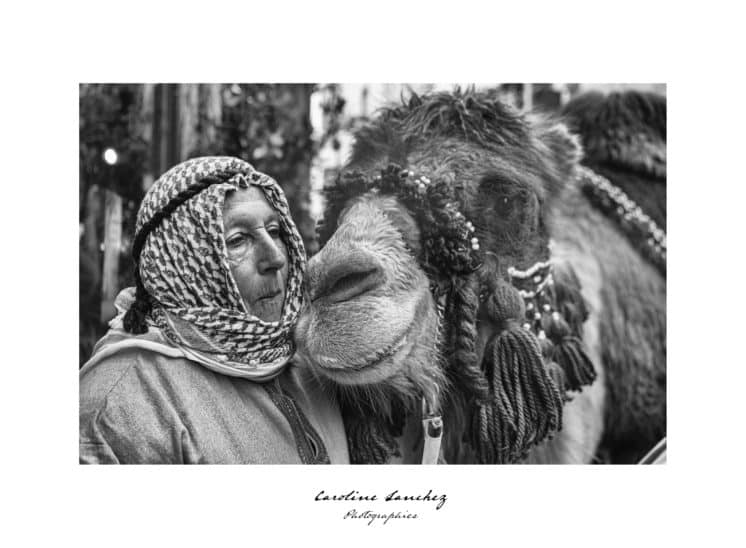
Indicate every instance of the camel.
{"type": "Point", "coordinates": [623, 136]}
{"type": "Point", "coordinates": [467, 281]}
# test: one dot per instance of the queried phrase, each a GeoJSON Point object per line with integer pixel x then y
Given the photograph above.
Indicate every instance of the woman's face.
{"type": "Point", "coordinates": [257, 255]}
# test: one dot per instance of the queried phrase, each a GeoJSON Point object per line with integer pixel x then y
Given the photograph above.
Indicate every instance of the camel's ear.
{"type": "Point", "coordinates": [563, 153]}
{"type": "Point", "coordinates": [565, 148]}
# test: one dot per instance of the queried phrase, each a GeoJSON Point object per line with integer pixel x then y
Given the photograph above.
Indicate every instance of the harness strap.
{"type": "Point", "coordinates": [432, 427]}
{"type": "Point", "coordinates": [657, 455]}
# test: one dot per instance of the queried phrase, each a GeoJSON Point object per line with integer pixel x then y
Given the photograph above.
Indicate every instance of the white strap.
{"type": "Point", "coordinates": [433, 431]}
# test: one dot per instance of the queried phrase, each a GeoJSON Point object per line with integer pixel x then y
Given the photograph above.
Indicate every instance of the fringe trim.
{"type": "Point", "coordinates": [526, 406]}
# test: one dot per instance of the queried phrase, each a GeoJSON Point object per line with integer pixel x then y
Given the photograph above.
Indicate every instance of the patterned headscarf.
{"type": "Point", "coordinates": [183, 266]}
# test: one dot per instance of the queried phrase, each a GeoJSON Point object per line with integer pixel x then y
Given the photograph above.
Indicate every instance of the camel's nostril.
{"type": "Point", "coordinates": [354, 284]}
{"type": "Point", "coordinates": [349, 279]}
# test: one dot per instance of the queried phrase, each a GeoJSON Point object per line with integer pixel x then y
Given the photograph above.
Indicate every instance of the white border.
{"type": "Point", "coordinates": [50, 48]}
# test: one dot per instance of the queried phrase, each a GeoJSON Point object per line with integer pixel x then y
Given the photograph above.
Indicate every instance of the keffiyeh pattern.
{"type": "Point", "coordinates": [184, 267]}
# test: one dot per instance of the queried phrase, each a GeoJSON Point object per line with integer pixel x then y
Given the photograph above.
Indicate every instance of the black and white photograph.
{"type": "Point", "coordinates": [425, 244]}
{"type": "Point", "coordinates": [372, 273]}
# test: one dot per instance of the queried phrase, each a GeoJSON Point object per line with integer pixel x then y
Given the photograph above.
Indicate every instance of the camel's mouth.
{"type": "Point", "coordinates": [358, 362]}
{"type": "Point", "coordinates": [374, 370]}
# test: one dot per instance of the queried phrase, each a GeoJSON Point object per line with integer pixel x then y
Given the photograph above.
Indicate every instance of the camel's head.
{"type": "Point", "coordinates": [371, 306]}
{"type": "Point", "coordinates": [395, 313]}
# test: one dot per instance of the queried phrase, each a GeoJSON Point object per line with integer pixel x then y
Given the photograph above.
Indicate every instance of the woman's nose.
{"type": "Point", "coordinates": [272, 256]}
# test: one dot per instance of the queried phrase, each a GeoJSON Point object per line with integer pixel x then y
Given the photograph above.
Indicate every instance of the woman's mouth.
{"type": "Point", "coordinates": [268, 307]}
{"type": "Point", "coordinates": [269, 295]}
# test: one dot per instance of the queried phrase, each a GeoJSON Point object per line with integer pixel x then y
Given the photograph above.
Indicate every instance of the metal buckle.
{"type": "Point", "coordinates": [432, 427]}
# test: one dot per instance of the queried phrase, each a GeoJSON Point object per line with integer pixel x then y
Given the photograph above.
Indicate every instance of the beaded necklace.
{"type": "Point", "coordinates": [638, 227]}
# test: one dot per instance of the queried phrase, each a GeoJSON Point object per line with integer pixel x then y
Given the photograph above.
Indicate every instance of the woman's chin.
{"type": "Point", "coordinates": [268, 310]}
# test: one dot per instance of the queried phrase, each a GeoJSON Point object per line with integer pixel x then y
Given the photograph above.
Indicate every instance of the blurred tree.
{"type": "Point", "coordinates": [268, 125]}
{"type": "Point", "coordinates": [109, 119]}
{"type": "Point", "coordinates": [332, 108]}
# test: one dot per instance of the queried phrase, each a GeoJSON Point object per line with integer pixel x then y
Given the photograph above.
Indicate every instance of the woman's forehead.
{"type": "Point", "coordinates": [246, 201]}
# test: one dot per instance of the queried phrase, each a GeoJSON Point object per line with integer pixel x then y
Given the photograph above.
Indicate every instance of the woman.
{"type": "Point", "coordinates": [196, 368]}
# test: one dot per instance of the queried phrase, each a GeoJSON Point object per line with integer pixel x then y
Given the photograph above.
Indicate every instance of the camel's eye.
{"type": "Point", "coordinates": [504, 205]}
{"type": "Point", "coordinates": [506, 198]}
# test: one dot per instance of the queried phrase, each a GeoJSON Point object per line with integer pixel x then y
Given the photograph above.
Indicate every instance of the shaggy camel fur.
{"type": "Point", "coordinates": [372, 330]}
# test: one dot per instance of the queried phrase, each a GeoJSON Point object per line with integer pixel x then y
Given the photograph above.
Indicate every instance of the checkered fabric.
{"type": "Point", "coordinates": [184, 267]}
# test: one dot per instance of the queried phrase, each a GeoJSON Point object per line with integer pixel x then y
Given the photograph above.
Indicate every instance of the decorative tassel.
{"type": "Point", "coordinates": [578, 368]}
{"type": "Point", "coordinates": [554, 370]}
{"type": "Point", "coordinates": [526, 405]}
{"type": "Point", "coordinates": [569, 352]}
{"type": "Point", "coordinates": [557, 375]}
{"type": "Point", "coordinates": [569, 301]}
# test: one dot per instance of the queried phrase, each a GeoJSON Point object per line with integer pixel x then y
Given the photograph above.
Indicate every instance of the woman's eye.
{"type": "Point", "coordinates": [235, 241]}
{"type": "Point", "coordinates": [273, 231]}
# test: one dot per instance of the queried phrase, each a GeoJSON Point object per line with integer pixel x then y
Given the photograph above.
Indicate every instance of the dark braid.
{"type": "Point", "coordinates": [134, 320]}
{"type": "Point", "coordinates": [465, 369]}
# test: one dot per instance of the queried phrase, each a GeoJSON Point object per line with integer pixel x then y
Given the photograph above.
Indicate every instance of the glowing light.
{"type": "Point", "coordinates": [110, 156]}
